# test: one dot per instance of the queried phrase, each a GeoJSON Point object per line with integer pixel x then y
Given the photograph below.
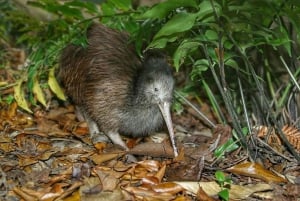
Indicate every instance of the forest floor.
{"type": "Point", "coordinates": [48, 155]}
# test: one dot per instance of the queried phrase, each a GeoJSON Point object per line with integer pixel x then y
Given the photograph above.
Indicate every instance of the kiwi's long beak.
{"type": "Point", "coordinates": [165, 110]}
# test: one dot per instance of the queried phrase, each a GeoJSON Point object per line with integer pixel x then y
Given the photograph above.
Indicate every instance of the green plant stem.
{"type": "Point", "coordinates": [224, 91]}
{"type": "Point", "coordinates": [215, 105]}
{"type": "Point", "coordinates": [265, 101]}
{"type": "Point", "coordinates": [290, 73]}
{"type": "Point", "coordinates": [244, 105]}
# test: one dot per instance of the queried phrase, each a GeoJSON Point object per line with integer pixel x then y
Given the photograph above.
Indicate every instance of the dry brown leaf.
{"type": "Point", "coordinates": [115, 195]}
{"type": "Point", "coordinates": [142, 193]}
{"type": "Point", "coordinates": [150, 180]}
{"type": "Point", "coordinates": [255, 170]}
{"type": "Point", "coordinates": [74, 197]}
{"type": "Point", "coordinates": [161, 173]}
{"type": "Point", "coordinates": [24, 195]}
{"type": "Point", "coordinates": [7, 147]}
{"type": "Point", "coordinates": [272, 139]}
{"type": "Point", "coordinates": [103, 157]}
{"type": "Point", "coordinates": [235, 192]}
{"type": "Point", "coordinates": [108, 180]}
{"type": "Point", "coordinates": [70, 190]}
{"type": "Point", "coordinates": [202, 195]}
{"type": "Point", "coordinates": [12, 111]}
{"type": "Point", "coordinates": [150, 165]}
{"type": "Point", "coordinates": [25, 161]}
{"type": "Point", "coordinates": [292, 135]}
{"type": "Point", "coordinates": [56, 191]}
{"type": "Point", "coordinates": [167, 187]}
{"type": "Point", "coordinates": [182, 198]}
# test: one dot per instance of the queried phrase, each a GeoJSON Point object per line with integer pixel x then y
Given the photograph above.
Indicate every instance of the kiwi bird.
{"type": "Point", "coordinates": [116, 91]}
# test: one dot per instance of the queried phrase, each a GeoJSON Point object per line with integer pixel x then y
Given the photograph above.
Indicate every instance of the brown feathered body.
{"type": "Point", "coordinates": [112, 86]}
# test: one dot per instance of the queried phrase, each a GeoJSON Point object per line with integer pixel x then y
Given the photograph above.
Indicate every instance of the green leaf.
{"type": "Point", "coordinates": [161, 10]}
{"type": "Point", "coordinates": [224, 194]}
{"type": "Point", "coordinates": [201, 65]}
{"type": "Point", "coordinates": [207, 10]}
{"type": "Point", "coordinates": [161, 42]}
{"type": "Point", "coordinates": [220, 177]}
{"type": "Point", "coordinates": [71, 12]}
{"type": "Point", "coordinates": [108, 8]}
{"type": "Point", "coordinates": [9, 99]}
{"type": "Point", "coordinates": [124, 5]}
{"type": "Point", "coordinates": [229, 146]}
{"type": "Point", "coordinates": [80, 4]}
{"type": "Point", "coordinates": [181, 52]}
{"type": "Point", "coordinates": [211, 35]}
{"type": "Point", "coordinates": [179, 23]}
{"type": "Point", "coordinates": [232, 63]}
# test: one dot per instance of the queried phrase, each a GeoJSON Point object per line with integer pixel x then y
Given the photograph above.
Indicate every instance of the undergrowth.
{"type": "Point", "coordinates": [239, 55]}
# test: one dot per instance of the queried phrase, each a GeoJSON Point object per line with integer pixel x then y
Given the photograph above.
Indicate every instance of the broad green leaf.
{"type": "Point", "coordinates": [201, 65]}
{"type": "Point", "coordinates": [161, 42]}
{"type": "Point", "coordinates": [161, 10]}
{"type": "Point", "coordinates": [206, 9]}
{"type": "Point", "coordinates": [211, 35]}
{"type": "Point", "coordinates": [181, 52]}
{"type": "Point", "coordinates": [80, 4]}
{"type": "Point", "coordinates": [124, 5]}
{"type": "Point", "coordinates": [72, 12]}
{"type": "Point", "coordinates": [38, 92]}
{"type": "Point", "coordinates": [224, 194]}
{"type": "Point", "coordinates": [54, 86]}
{"type": "Point", "coordinates": [20, 96]}
{"type": "Point", "coordinates": [232, 63]}
{"type": "Point", "coordinates": [220, 177]}
{"type": "Point", "coordinates": [107, 8]}
{"type": "Point", "coordinates": [179, 23]}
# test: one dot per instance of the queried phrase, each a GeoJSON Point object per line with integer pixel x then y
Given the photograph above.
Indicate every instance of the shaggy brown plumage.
{"type": "Point", "coordinates": [115, 90]}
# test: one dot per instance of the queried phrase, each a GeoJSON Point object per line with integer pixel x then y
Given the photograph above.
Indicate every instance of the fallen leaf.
{"type": "Point", "coordinates": [255, 170]}
{"type": "Point", "coordinates": [146, 193]}
{"type": "Point", "coordinates": [167, 187]}
{"type": "Point", "coordinates": [150, 165]}
{"type": "Point", "coordinates": [202, 195]}
{"type": "Point", "coordinates": [161, 173]}
{"type": "Point", "coordinates": [103, 157]}
{"type": "Point", "coordinates": [236, 192]}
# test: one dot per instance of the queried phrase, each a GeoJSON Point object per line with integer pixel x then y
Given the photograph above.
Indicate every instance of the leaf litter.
{"type": "Point", "coordinates": [48, 155]}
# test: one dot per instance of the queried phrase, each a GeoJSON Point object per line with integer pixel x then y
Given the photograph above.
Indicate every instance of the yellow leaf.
{"type": "Point", "coordinates": [20, 97]}
{"type": "Point", "coordinates": [3, 83]}
{"type": "Point", "coordinates": [38, 92]}
{"type": "Point", "coordinates": [54, 86]}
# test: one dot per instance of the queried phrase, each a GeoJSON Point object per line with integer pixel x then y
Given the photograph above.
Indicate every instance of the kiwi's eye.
{"type": "Point", "coordinates": [156, 89]}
